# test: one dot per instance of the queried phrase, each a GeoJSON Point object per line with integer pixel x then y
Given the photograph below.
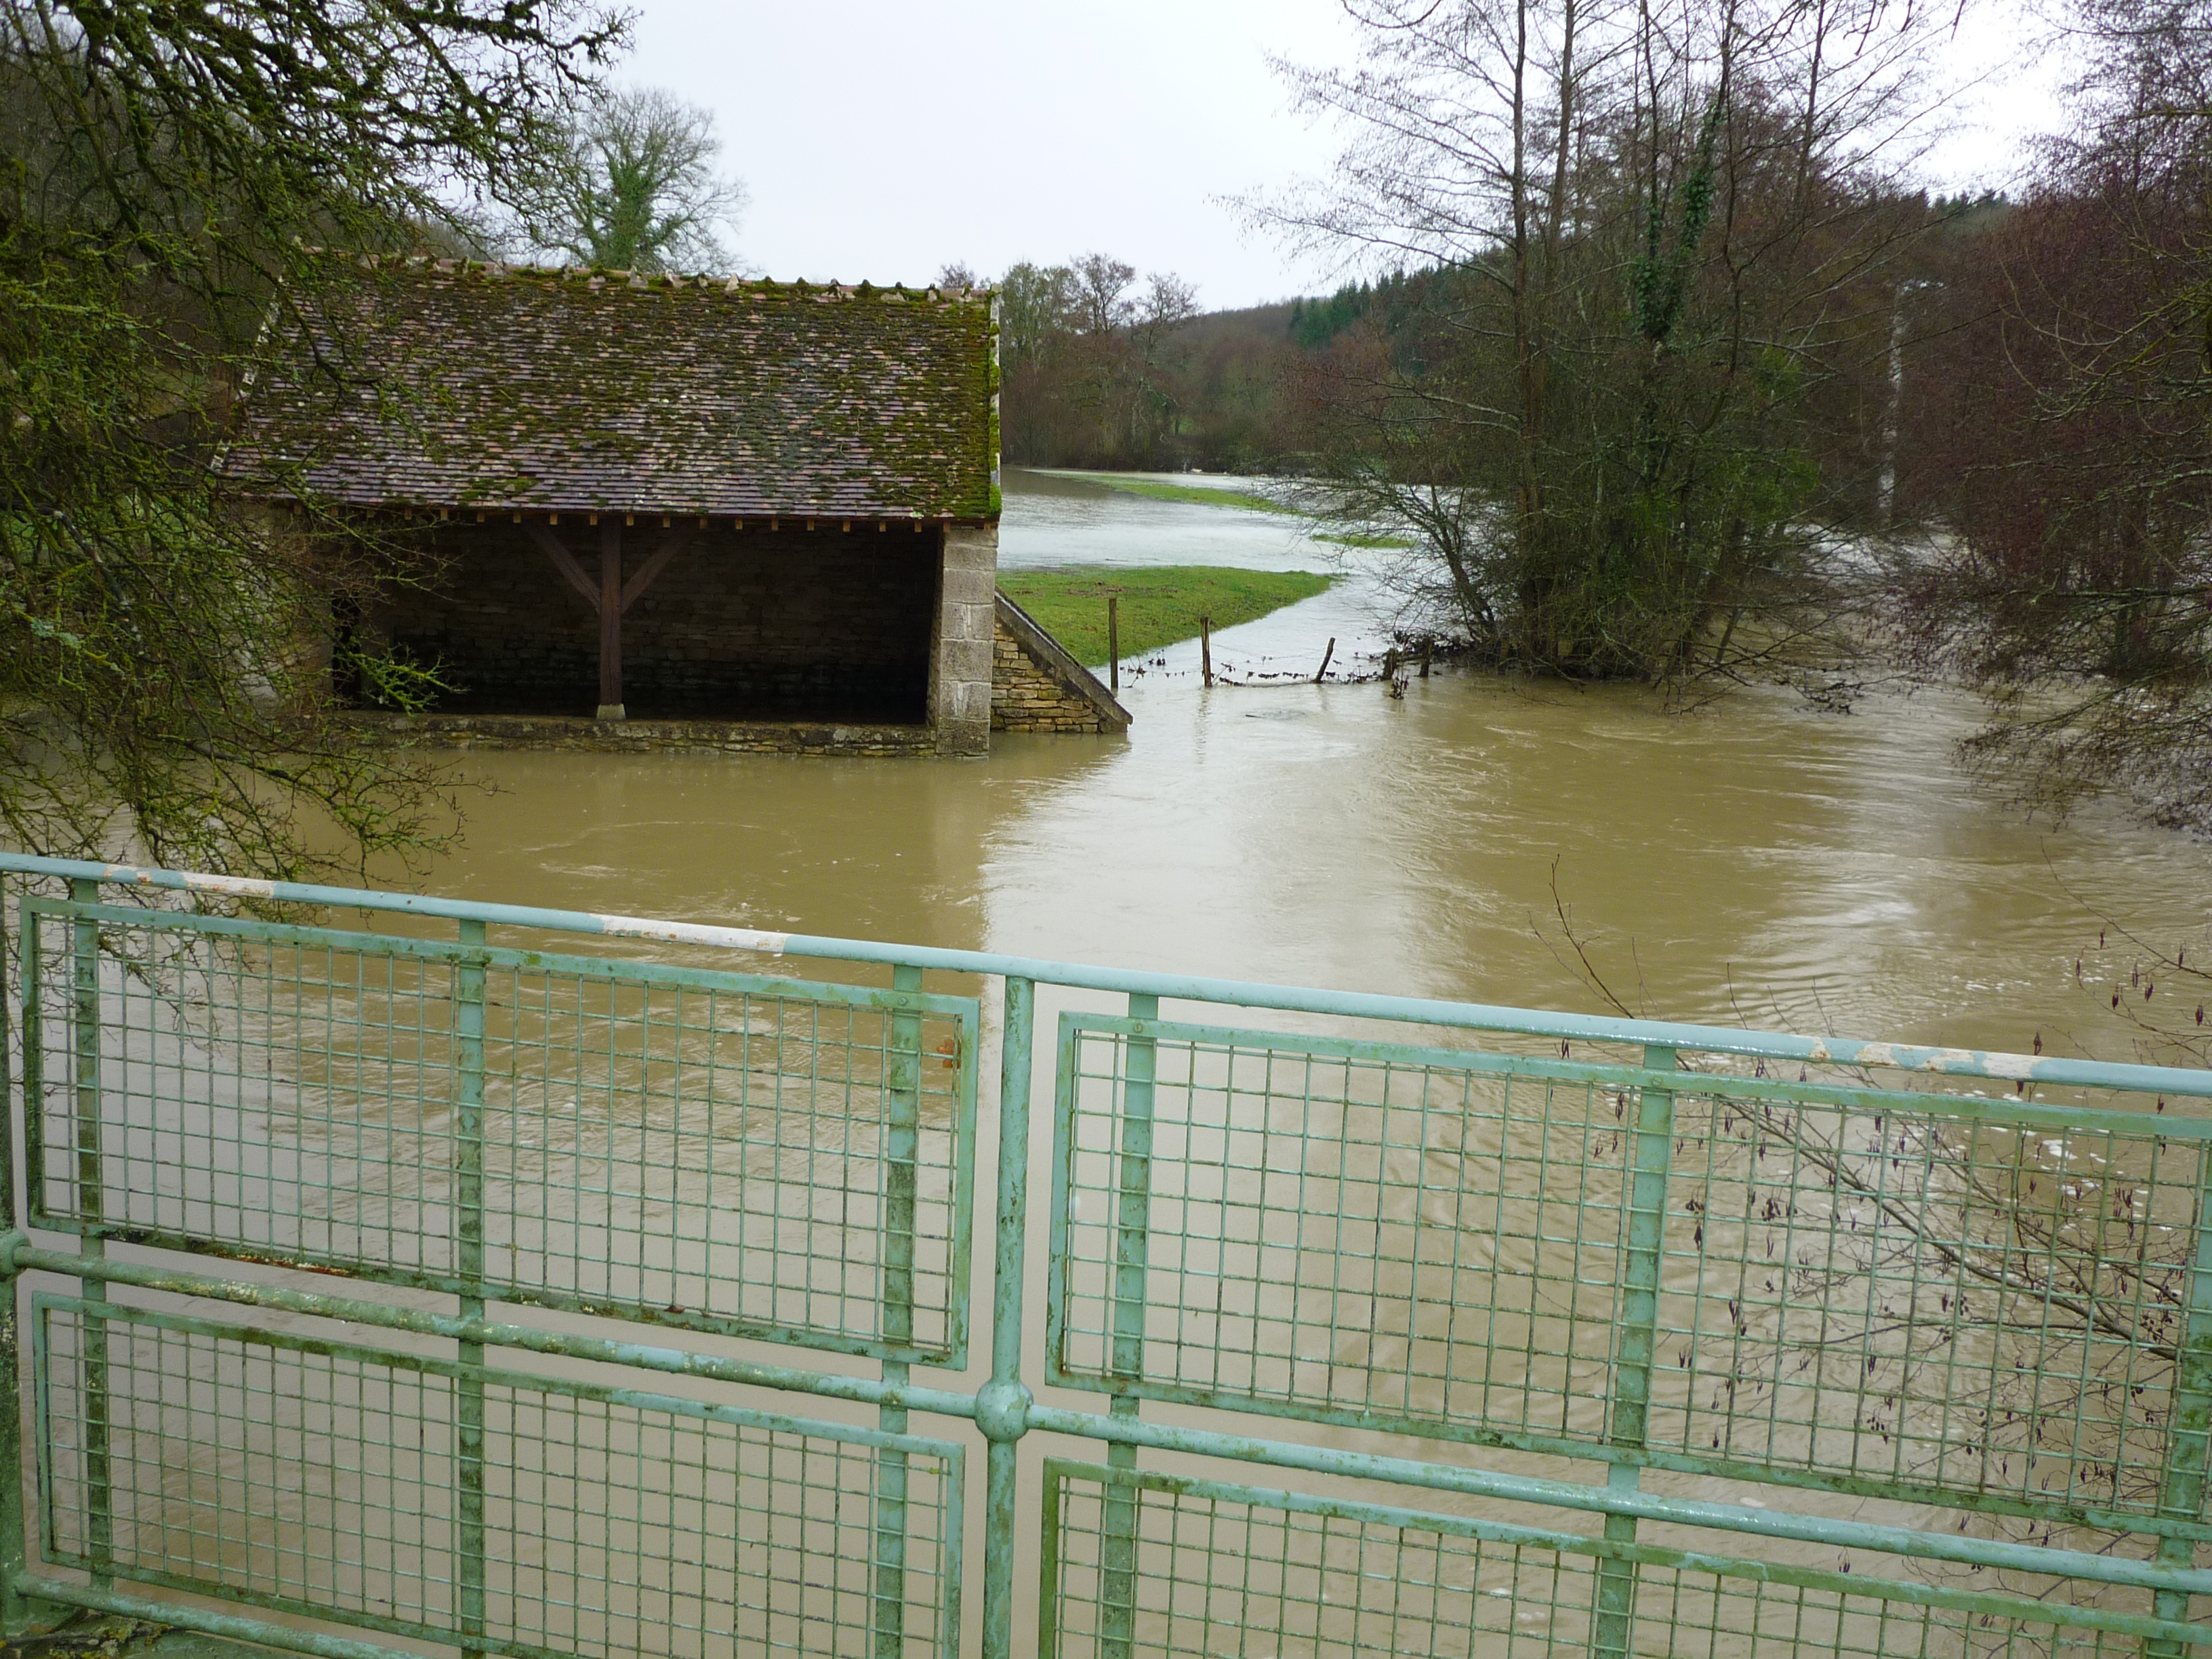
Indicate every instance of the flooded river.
{"type": "Point", "coordinates": [1758, 862]}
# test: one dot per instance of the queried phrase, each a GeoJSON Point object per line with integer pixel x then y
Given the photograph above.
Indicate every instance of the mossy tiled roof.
{"type": "Point", "coordinates": [467, 385]}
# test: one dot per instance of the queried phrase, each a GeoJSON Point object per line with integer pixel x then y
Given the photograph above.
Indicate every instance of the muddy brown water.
{"type": "Point", "coordinates": [1758, 862]}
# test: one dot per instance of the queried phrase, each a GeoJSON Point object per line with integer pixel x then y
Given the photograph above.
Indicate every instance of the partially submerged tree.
{"type": "Point", "coordinates": [164, 688]}
{"type": "Point", "coordinates": [2062, 439]}
{"type": "Point", "coordinates": [631, 182]}
{"type": "Point", "coordinates": [1661, 243]}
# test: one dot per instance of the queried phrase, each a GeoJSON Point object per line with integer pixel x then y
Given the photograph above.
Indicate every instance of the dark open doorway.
{"type": "Point", "coordinates": [782, 624]}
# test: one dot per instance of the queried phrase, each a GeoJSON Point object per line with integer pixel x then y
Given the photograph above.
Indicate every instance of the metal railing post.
{"type": "Point", "coordinates": [1002, 1405]}
{"type": "Point", "coordinates": [18, 1610]}
{"type": "Point", "coordinates": [2189, 1440]}
{"type": "Point", "coordinates": [1645, 1186]}
{"type": "Point", "coordinates": [902, 1149]}
{"type": "Point", "coordinates": [1117, 1547]}
{"type": "Point", "coordinates": [468, 1265]}
{"type": "Point", "coordinates": [91, 1207]}
{"type": "Point", "coordinates": [15, 1607]}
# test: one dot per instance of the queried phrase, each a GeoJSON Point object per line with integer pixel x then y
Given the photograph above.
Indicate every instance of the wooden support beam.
{"type": "Point", "coordinates": [564, 562]}
{"type": "Point", "coordinates": [611, 612]}
{"type": "Point", "coordinates": [671, 545]}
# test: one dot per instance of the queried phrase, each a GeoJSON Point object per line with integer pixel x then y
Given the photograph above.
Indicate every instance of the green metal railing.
{"type": "Point", "coordinates": [450, 1289]}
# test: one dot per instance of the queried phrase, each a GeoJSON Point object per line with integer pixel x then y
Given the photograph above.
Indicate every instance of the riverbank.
{"type": "Point", "coordinates": [1155, 607]}
{"type": "Point", "coordinates": [1237, 493]}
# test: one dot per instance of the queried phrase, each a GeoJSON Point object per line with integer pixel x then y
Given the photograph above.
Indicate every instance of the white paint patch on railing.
{"type": "Point", "coordinates": [692, 933]}
{"type": "Point", "coordinates": [193, 881]}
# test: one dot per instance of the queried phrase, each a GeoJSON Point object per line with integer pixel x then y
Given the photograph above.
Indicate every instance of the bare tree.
{"type": "Point", "coordinates": [1101, 294]}
{"type": "Point", "coordinates": [1659, 237]}
{"type": "Point", "coordinates": [1094, 363]}
{"type": "Point", "coordinates": [631, 183]}
{"type": "Point", "coordinates": [1037, 306]}
{"type": "Point", "coordinates": [1890, 1288]}
{"type": "Point", "coordinates": [2064, 435]}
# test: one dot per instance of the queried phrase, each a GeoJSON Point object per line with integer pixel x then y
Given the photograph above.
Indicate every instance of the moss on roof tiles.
{"type": "Point", "coordinates": [507, 388]}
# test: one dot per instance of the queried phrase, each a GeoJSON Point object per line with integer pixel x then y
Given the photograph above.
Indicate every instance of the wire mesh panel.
{"type": "Point", "coordinates": [1973, 1301]}
{"type": "Point", "coordinates": [707, 1150]}
{"type": "Point", "coordinates": [1151, 1566]}
{"type": "Point", "coordinates": [1988, 1300]}
{"type": "Point", "coordinates": [1378, 1238]}
{"type": "Point", "coordinates": [325, 1479]}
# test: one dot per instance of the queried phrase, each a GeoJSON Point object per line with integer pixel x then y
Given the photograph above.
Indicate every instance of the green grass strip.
{"type": "Point", "coordinates": [1198, 495]}
{"type": "Point", "coordinates": [1358, 539]}
{"type": "Point", "coordinates": [1158, 604]}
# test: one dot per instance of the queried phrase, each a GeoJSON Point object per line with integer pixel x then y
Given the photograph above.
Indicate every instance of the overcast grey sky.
{"type": "Point", "coordinates": [882, 139]}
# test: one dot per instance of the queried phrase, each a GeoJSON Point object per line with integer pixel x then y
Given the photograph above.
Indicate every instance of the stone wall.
{"type": "Point", "coordinates": [960, 688]}
{"type": "Point", "coordinates": [742, 625]}
{"type": "Point", "coordinates": [1036, 686]}
{"type": "Point", "coordinates": [1024, 698]}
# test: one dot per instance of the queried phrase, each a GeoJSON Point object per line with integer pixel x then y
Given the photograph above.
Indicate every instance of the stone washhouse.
{"type": "Point", "coordinates": [665, 512]}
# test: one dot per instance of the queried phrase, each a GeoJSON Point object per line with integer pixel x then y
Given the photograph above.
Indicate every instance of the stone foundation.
{"type": "Point", "coordinates": [647, 737]}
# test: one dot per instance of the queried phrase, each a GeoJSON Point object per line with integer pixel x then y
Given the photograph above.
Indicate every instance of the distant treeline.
{"type": "Point", "coordinates": [1313, 323]}
{"type": "Point", "coordinates": [1103, 367]}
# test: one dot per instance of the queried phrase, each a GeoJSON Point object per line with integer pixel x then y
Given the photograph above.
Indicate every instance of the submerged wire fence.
{"type": "Point", "coordinates": [425, 1285]}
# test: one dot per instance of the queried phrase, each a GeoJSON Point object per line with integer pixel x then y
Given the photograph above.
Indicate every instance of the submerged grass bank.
{"type": "Point", "coordinates": [1159, 603]}
{"type": "Point", "coordinates": [1158, 489]}
{"type": "Point", "coordinates": [1358, 538]}
{"type": "Point", "coordinates": [1198, 495]}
